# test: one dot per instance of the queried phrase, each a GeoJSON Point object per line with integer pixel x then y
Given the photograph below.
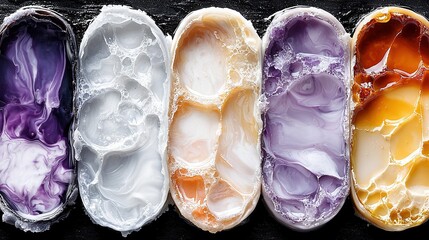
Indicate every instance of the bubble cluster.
{"type": "Point", "coordinates": [389, 151]}
{"type": "Point", "coordinates": [214, 153]}
{"type": "Point", "coordinates": [121, 128]}
{"type": "Point", "coordinates": [305, 75]}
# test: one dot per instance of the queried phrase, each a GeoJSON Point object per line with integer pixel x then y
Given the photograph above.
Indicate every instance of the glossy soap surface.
{"type": "Point", "coordinates": [121, 128]}
{"type": "Point", "coordinates": [214, 153]}
{"type": "Point", "coordinates": [389, 152]}
{"type": "Point", "coordinates": [36, 111]}
{"type": "Point", "coordinates": [305, 74]}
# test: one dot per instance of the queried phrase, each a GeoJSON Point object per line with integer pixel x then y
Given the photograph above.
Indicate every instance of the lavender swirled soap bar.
{"type": "Point", "coordinates": [305, 85]}
{"type": "Point", "coordinates": [121, 128]}
{"type": "Point", "coordinates": [37, 59]}
{"type": "Point", "coordinates": [390, 124]}
{"type": "Point", "coordinates": [214, 149]}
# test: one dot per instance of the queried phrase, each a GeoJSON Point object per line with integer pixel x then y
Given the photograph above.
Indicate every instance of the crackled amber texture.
{"type": "Point", "coordinates": [214, 150]}
{"type": "Point", "coordinates": [390, 125]}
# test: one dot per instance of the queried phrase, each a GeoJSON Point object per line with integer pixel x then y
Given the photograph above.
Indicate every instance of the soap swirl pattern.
{"type": "Point", "coordinates": [37, 63]}
{"type": "Point", "coordinates": [305, 147]}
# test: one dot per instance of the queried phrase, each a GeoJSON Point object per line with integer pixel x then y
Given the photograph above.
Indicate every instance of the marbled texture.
{"type": "Point", "coordinates": [305, 75]}
{"type": "Point", "coordinates": [390, 109]}
{"type": "Point", "coordinates": [36, 75]}
{"type": "Point", "coordinates": [214, 148]}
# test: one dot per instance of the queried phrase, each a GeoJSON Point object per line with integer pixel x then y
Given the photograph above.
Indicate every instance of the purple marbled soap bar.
{"type": "Point", "coordinates": [36, 111]}
{"type": "Point", "coordinates": [305, 75]}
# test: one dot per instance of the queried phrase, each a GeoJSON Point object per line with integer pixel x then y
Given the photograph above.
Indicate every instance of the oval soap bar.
{"type": "Point", "coordinates": [121, 127]}
{"type": "Point", "coordinates": [37, 63]}
{"type": "Point", "coordinates": [305, 142]}
{"type": "Point", "coordinates": [214, 150]}
{"type": "Point", "coordinates": [390, 134]}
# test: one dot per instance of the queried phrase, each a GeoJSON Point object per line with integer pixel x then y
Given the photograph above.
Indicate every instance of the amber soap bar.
{"type": "Point", "coordinates": [389, 155]}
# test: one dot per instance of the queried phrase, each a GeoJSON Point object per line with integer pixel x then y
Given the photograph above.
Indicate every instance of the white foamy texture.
{"type": "Point", "coordinates": [121, 132]}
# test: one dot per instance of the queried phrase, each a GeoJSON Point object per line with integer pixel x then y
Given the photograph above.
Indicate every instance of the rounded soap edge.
{"type": "Point", "coordinates": [60, 213]}
{"type": "Point", "coordinates": [141, 17]}
{"type": "Point", "coordinates": [279, 18]}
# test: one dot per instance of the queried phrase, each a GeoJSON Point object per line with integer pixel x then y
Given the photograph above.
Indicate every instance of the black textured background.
{"type": "Point", "coordinates": [167, 14]}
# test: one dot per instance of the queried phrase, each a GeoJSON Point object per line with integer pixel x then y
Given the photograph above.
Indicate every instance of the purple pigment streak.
{"type": "Point", "coordinates": [304, 149]}
{"type": "Point", "coordinates": [35, 116]}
